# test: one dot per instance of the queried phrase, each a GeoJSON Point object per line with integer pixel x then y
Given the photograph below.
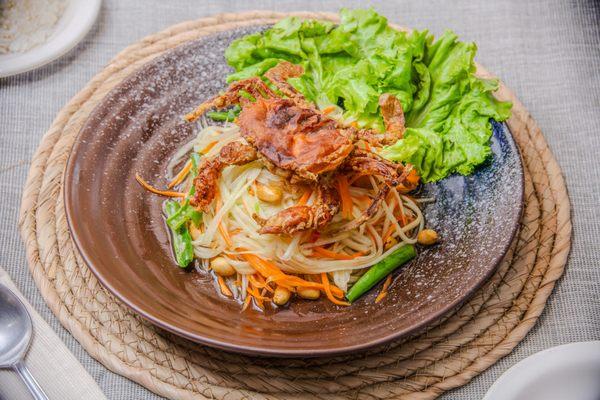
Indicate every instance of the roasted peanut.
{"type": "Point", "coordinates": [281, 296]}
{"type": "Point", "coordinates": [221, 266]}
{"type": "Point", "coordinates": [427, 237]}
{"type": "Point", "coordinates": [309, 293]}
{"type": "Point", "coordinates": [268, 193]}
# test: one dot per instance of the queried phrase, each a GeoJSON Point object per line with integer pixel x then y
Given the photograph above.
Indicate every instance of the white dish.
{"type": "Point", "coordinates": [571, 371]}
{"type": "Point", "coordinates": [76, 22]}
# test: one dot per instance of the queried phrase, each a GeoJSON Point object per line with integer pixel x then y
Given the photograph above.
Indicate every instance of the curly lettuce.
{"type": "Point", "coordinates": [447, 108]}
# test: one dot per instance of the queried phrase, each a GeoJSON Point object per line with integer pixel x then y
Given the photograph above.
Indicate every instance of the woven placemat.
{"type": "Point", "coordinates": [448, 355]}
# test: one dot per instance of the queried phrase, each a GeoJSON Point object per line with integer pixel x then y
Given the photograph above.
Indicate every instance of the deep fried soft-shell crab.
{"type": "Point", "coordinates": [299, 142]}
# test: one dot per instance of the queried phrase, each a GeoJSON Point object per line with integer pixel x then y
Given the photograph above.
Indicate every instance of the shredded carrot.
{"type": "Point", "coordinates": [274, 274]}
{"type": "Point", "coordinates": [261, 266]}
{"type": "Point", "coordinates": [354, 124]}
{"type": "Point", "coordinates": [327, 288]}
{"type": "Point", "coordinates": [208, 147]}
{"type": "Point", "coordinates": [258, 299]}
{"type": "Point", "coordinates": [260, 279]}
{"type": "Point", "coordinates": [336, 256]}
{"type": "Point", "coordinates": [247, 301]}
{"type": "Point", "coordinates": [381, 296]}
{"type": "Point", "coordinates": [267, 288]}
{"type": "Point", "coordinates": [344, 189]}
{"type": "Point", "coordinates": [367, 146]}
{"type": "Point", "coordinates": [285, 285]}
{"type": "Point", "coordinates": [256, 282]}
{"type": "Point", "coordinates": [231, 256]}
{"type": "Point", "coordinates": [384, 289]}
{"type": "Point", "coordinates": [225, 235]}
{"type": "Point", "coordinates": [152, 189]}
{"type": "Point", "coordinates": [388, 233]}
{"type": "Point", "coordinates": [336, 291]}
{"type": "Point", "coordinates": [264, 292]}
{"type": "Point", "coordinates": [181, 175]}
{"type": "Point", "coordinates": [259, 303]}
{"type": "Point", "coordinates": [410, 180]}
{"type": "Point", "coordinates": [328, 110]}
{"type": "Point", "coordinates": [224, 288]}
{"type": "Point", "coordinates": [402, 218]}
{"type": "Point", "coordinates": [222, 230]}
{"type": "Point", "coordinates": [305, 196]}
{"type": "Point", "coordinates": [290, 282]}
{"type": "Point", "coordinates": [355, 178]}
{"type": "Point", "coordinates": [413, 177]}
{"type": "Point", "coordinates": [254, 292]}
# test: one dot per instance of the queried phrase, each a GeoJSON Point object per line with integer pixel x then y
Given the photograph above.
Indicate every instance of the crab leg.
{"type": "Point", "coordinates": [393, 117]}
{"type": "Point", "coordinates": [235, 94]}
{"type": "Point", "coordinates": [368, 163]}
{"type": "Point", "coordinates": [300, 218]}
{"type": "Point", "coordinates": [209, 170]}
{"type": "Point", "coordinates": [279, 74]}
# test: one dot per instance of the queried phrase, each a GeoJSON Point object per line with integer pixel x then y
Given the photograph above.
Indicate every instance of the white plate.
{"type": "Point", "coordinates": [75, 23]}
{"type": "Point", "coordinates": [571, 371]}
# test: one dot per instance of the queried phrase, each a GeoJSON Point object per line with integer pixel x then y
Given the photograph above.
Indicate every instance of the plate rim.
{"type": "Point", "coordinates": [506, 378]}
{"type": "Point", "coordinates": [257, 350]}
{"type": "Point", "coordinates": [52, 49]}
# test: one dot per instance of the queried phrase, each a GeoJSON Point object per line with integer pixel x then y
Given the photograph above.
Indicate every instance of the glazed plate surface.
{"type": "Point", "coordinates": [119, 229]}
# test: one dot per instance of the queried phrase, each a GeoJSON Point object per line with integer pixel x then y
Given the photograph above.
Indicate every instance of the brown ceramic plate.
{"type": "Point", "coordinates": [119, 229]}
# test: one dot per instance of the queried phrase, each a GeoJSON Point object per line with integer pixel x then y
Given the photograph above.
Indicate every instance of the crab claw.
{"type": "Point", "coordinates": [393, 117]}
{"type": "Point", "coordinates": [209, 171]}
{"type": "Point", "coordinates": [301, 218]}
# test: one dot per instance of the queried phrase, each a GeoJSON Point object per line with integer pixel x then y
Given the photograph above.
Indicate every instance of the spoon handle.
{"type": "Point", "coordinates": [30, 381]}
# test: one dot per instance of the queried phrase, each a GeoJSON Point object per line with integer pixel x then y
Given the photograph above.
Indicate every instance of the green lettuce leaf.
{"type": "Point", "coordinates": [447, 108]}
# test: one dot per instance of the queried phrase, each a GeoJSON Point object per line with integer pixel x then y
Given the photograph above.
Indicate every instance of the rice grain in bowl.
{"type": "Point", "coordinates": [26, 24]}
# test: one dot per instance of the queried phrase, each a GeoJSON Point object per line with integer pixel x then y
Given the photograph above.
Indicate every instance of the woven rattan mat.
{"type": "Point", "coordinates": [448, 355]}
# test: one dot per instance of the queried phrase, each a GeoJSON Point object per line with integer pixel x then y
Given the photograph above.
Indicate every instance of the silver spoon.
{"type": "Point", "coordinates": [15, 334]}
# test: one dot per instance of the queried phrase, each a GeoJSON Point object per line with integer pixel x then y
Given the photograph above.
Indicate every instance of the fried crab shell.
{"type": "Point", "coordinates": [297, 141]}
{"type": "Point", "coordinates": [294, 138]}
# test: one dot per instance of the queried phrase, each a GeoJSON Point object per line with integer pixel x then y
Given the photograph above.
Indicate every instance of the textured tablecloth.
{"type": "Point", "coordinates": [547, 51]}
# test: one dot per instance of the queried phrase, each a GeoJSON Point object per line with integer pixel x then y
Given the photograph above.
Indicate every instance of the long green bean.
{"type": "Point", "coordinates": [219, 115]}
{"type": "Point", "coordinates": [380, 270]}
{"type": "Point", "coordinates": [185, 213]}
{"type": "Point", "coordinates": [182, 240]}
{"type": "Point", "coordinates": [224, 115]}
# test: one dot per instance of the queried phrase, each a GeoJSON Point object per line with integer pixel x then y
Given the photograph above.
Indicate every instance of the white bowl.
{"type": "Point", "coordinates": [75, 23]}
{"type": "Point", "coordinates": [571, 371]}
